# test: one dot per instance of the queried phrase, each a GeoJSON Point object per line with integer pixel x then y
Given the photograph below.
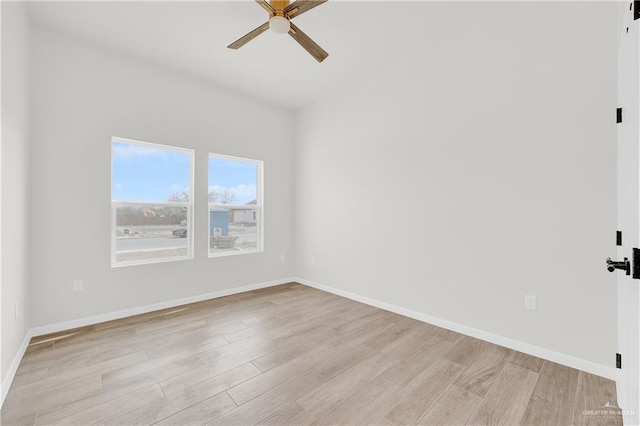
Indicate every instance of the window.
{"type": "Point", "coordinates": [235, 205]}
{"type": "Point", "coordinates": [151, 203]}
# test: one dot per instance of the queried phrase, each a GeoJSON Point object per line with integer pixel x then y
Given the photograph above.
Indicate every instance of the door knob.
{"type": "Point", "coordinates": [624, 265]}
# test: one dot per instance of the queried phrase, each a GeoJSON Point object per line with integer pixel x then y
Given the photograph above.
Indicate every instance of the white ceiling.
{"type": "Point", "coordinates": [191, 37]}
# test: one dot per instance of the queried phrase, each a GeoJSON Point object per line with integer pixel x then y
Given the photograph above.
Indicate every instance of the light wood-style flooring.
{"type": "Point", "coordinates": [291, 355]}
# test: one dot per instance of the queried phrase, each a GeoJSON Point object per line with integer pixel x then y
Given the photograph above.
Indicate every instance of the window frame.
{"type": "Point", "coordinates": [259, 206]}
{"type": "Point", "coordinates": [189, 206]}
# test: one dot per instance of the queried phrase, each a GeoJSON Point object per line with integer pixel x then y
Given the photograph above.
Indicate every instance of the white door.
{"type": "Point", "coordinates": [629, 216]}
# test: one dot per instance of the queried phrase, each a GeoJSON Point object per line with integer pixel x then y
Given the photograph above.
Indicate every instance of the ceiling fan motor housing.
{"type": "Point", "coordinates": [279, 5]}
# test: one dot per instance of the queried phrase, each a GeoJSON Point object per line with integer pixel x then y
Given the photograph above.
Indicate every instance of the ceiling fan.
{"type": "Point", "coordinates": [280, 15]}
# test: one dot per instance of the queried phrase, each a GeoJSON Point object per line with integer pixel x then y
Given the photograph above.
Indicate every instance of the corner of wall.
{"type": "Point", "coordinates": [14, 187]}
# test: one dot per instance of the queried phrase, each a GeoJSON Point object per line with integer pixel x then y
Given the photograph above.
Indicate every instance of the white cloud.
{"type": "Point", "coordinates": [244, 193]}
{"type": "Point", "coordinates": [127, 151]}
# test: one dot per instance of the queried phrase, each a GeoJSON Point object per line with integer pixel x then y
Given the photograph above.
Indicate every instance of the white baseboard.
{"type": "Point", "coordinates": [537, 351]}
{"type": "Point", "coordinates": [11, 374]}
{"type": "Point", "coordinates": [81, 322]}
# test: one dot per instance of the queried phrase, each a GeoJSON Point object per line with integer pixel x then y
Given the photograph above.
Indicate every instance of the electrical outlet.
{"type": "Point", "coordinates": [282, 258]}
{"type": "Point", "coordinates": [530, 302]}
{"type": "Point", "coordinates": [77, 285]}
{"type": "Point", "coordinates": [313, 260]}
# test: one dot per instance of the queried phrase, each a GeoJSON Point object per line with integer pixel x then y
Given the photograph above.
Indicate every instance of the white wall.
{"type": "Point", "coordinates": [499, 139]}
{"type": "Point", "coordinates": [15, 179]}
{"type": "Point", "coordinates": [83, 96]}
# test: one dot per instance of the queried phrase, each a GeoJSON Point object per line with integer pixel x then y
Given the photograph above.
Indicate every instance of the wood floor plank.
{"type": "Point", "coordinates": [415, 359]}
{"type": "Point", "coordinates": [276, 319]}
{"type": "Point", "coordinates": [480, 374]}
{"type": "Point", "coordinates": [465, 350]}
{"type": "Point", "coordinates": [207, 345]}
{"type": "Point", "coordinates": [202, 412]}
{"type": "Point", "coordinates": [291, 301]}
{"type": "Point", "coordinates": [52, 337]}
{"type": "Point", "coordinates": [142, 333]}
{"type": "Point", "coordinates": [342, 360]}
{"type": "Point", "coordinates": [53, 392]}
{"type": "Point", "coordinates": [362, 319]}
{"type": "Point", "coordinates": [320, 327]}
{"type": "Point", "coordinates": [240, 334]}
{"type": "Point", "coordinates": [162, 329]}
{"type": "Point", "coordinates": [169, 405]}
{"type": "Point", "coordinates": [30, 377]}
{"type": "Point", "coordinates": [454, 407]}
{"type": "Point", "coordinates": [82, 351]}
{"type": "Point", "coordinates": [258, 343]}
{"type": "Point", "coordinates": [595, 391]}
{"type": "Point", "coordinates": [307, 318]}
{"type": "Point", "coordinates": [523, 360]}
{"type": "Point", "coordinates": [345, 384]}
{"type": "Point", "coordinates": [53, 355]}
{"type": "Point", "coordinates": [36, 347]}
{"type": "Point", "coordinates": [281, 355]}
{"type": "Point", "coordinates": [98, 414]}
{"type": "Point", "coordinates": [191, 341]}
{"type": "Point", "coordinates": [76, 369]}
{"type": "Point", "coordinates": [301, 419]}
{"type": "Point", "coordinates": [93, 397]}
{"type": "Point", "coordinates": [389, 339]}
{"type": "Point", "coordinates": [271, 402]}
{"type": "Point", "coordinates": [298, 342]}
{"type": "Point", "coordinates": [150, 371]}
{"type": "Point", "coordinates": [507, 400]}
{"type": "Point", "coordinates": [404, 338]}
{"type": "Point", "coordinates": [448, 335]}
{"type": "Point", "coordinates": [29, 366]}
{"type": "Point", "coordinates": [375, 335]}
{"type": "Point", "coordinates": [543, 412]}
{"type": "Point", "coordinates": [424, 391]}
{"type": "Point", "coordinates": [18, 417]}
{"type": "Point", "coordinates": [557, 383]}
{"type": "Point", "coordinates": [353, 319]}
{"type": "Point", "coordinates": [276, 376]}
{"type": "Point", "coordinates": [79, 360]}
{"type": "Point", "coordinates": [367, 404]}
{"type": "Point", "coordinates": [290, 414]}
{"type": "Point", "coordinates": [77, 338]}
{"type": "Point", "coordinates": [197, 375]}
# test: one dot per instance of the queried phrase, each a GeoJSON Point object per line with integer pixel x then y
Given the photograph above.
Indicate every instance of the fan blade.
{"type": "Point", "coordinates": [266, 6]}
{"type": "Point", "coordinates": [300, 6]}
{"type": "Point", "coordinates": [248, 37]}
{"type": "Point", "coordinates": [309, 45]}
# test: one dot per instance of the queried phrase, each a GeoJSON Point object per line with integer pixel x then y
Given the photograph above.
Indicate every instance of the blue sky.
{"type": "Point", "coordinates": [147, 173]}
{"type": "Point", "coordinates": [239, 177]}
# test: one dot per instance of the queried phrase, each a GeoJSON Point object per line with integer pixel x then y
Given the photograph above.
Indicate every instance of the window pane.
{"type": "Point", "coordinates": [144, 172]}
{"type": "Point", "coordinates": [148, 231]}
{"type": "Point", "coordinates": [151, 201]}
{"type": "Point", "coordinates": [233, 229]}
{"type": "Point", "coordinates": [232, 181]}
{"type": "Point", "coordinates": [234, 205]}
